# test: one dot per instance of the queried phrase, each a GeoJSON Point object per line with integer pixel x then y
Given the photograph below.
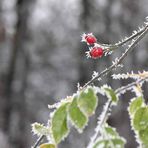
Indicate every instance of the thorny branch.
{"type": "Point", "coordinates": [106, 71]}
{"type": "Point", "coordinates": [104, 117]}
{"type": "Point", "coordinates": [123, 88]}
{"type": "Point", "coordinates": [124, 41]}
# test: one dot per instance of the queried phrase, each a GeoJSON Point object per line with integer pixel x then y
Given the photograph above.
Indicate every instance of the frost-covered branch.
{"type": "Point", "coordinates": [101, 120]}
{"type": "Point", "coordinates": [123, 89]}
{"type": "Point", "coordinates": [38, 141]}
{"type": "Point", "coordinates": [118, 62]}
{"type": "Point", "coordinates": [134, 34]}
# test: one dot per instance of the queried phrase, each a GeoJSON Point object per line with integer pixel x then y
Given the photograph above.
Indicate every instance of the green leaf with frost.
{"type": "Point", "coordinates": [40, 129]}
{"type": "Point", "coordinates": [110, 131]}
{"type": "Point", "coordinates": [140, 120]}
{"type": "Point", "coordinates": [87, 101]}
{"type": "Point", "coordinates": [143, 135]}
{"type": "Point", "coordinates": [101, 144]}
{"type": "Point", "coordinates": [59, 125]}
{"type": "Point", "coordinates": [109, 138]}
{"type": "Point", "coordinates": [135, 104]}
{"type": "Point", "coordinates": [47, 145]}
{"type": "Point", "coordinates": [111, 94]}
{"type": "Point", "coordinates": [110, 143]}
{"type": "Point", "coordinates": [78, 118]}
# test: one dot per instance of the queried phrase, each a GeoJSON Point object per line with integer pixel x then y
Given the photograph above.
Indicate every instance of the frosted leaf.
{"type": "Point", "coordinates": [40, 129]}
{"type": "Point", "coordinates": [65, 100]}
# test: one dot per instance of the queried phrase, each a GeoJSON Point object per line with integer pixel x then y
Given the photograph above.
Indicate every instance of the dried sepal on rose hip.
{"type": "Point", "coordinates": [89, 38]}
{"type": "Point", "coordinates": [95, 52]}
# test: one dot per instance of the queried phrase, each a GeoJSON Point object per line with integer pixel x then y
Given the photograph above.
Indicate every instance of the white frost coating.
{"type": "Point", "coordinates": [98, 90]}
{"type": "Point", "coordinates": [138, 91]}
{"type": "Point", "coordinates": [95, 74]}
{"type": "Point", "coordinates": [139, 75]}
{"type": "Point", "coordinates": [98, 128]}
{"type": "Point", "coordinates": [56, 105]}
{"type": "Point", "coordinates": [88, 54]}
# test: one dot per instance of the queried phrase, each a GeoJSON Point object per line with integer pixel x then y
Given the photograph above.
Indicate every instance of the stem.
{"type": "Point", "coordinates": [103, 119]}
{"type": "Point", "coordinates": [38, 141]}
{"type": "Point", "coordinates": [132, 36]}
{"type": "Point", "coordinates": [121, 89]}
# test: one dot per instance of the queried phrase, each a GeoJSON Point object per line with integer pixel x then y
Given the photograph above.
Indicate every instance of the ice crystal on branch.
{"type": "Point", "coordinates": [95, 74]}
{"type": "Point", "coordinates": [116, 63]}
{"type": "Point", "coordinates": [139, 75]}
{"type": "Point", "coordinates": [138, 90]}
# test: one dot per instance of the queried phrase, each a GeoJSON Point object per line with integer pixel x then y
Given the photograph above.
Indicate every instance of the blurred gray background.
{"type": "Point", "coordinates": [42, 60]}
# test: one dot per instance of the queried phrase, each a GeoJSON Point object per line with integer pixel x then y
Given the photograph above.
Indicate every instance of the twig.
{"type": "Point", "coordinates": [123, 88]}
{"type": "Point", "coordinates": [131, 37]}
{"type": "Point", "coordinates": [38, 141]}
{"type": "Point", "coordinates": [129, 49]}
{"type": "Point", "coordinates": [102, 120]}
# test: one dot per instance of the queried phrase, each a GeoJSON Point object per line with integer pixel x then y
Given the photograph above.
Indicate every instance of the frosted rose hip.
{"type": "Point", "coordinates": [96, 52]}
{"type": "Point", "coordinates": [90, 39]}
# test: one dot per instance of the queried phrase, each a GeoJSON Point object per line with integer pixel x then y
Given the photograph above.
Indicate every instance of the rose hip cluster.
{"type": "Point", "coordinates": [95, 50]}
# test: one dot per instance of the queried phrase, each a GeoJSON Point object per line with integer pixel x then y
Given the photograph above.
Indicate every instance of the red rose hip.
{"type": "Point", "coordinates": [90, 39]}
{"type": "Point", "coordinates": [96, 52]}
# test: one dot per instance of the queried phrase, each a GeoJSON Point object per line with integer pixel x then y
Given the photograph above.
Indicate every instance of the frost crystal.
{"type": "Point", "coordinates": [115, 62]}
{"type": "Point", "coordinates": [83, 37]}
{"type": "Point", "coordinates": [95, 74]}
{"type": "Point", "coordinates": [98, 90]}
{"type": "Point", "coordinates": [78, 86]}
{"type": "Point", "coordinates": [132, 75]}
{"type": "Point", "coordinates": [88, 54]}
